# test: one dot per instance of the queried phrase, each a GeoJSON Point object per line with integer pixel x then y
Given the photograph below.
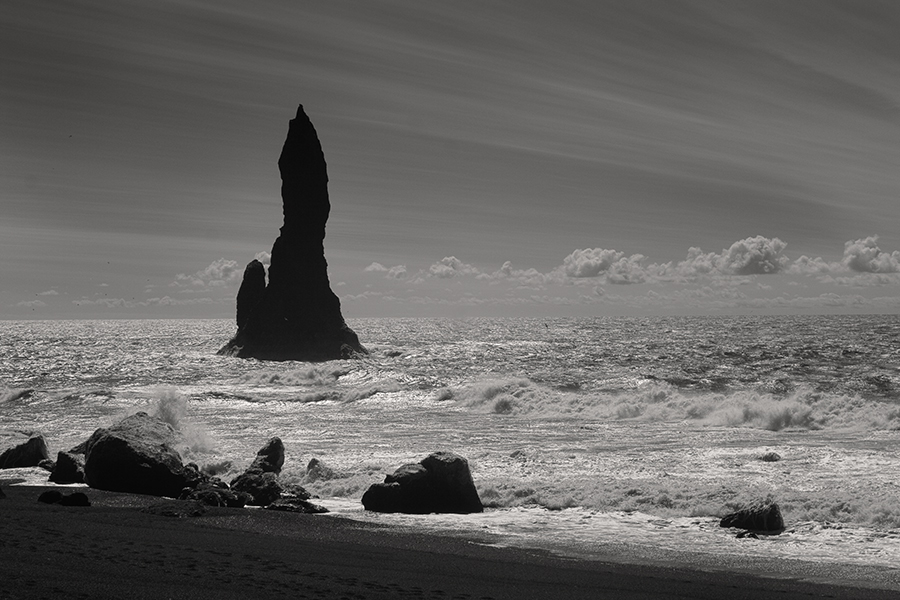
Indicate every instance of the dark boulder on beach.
{"type": "Point", "coordinates": [75, 499]}
{"type": "Point", "coordinates": [27, 454]}
{"type": "Point", "coordinates": [137, 455]}
{"type": "Point", "coordinates": [296, 316]}
{"type": "Point", "coordinates": [764, 516]}
{"type": "Point", "coordinates": [50, 497]}
{"type": "Point", "coordinates": [440, 483]}
{"type": "Point", "coordinates": [69, 468]}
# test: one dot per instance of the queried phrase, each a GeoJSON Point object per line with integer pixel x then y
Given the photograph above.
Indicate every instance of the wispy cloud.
{"type": "Point", "coordinates": [31, 303]}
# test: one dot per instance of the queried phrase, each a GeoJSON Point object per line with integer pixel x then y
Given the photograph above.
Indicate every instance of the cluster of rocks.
{"type": "Point", "coordinates": [138, 455]}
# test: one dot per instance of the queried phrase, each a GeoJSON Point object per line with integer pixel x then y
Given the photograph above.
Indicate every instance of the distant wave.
{"type": "Point", "coordinates": [12, 394]}
{"type": "Point", "coordinates": [325, 374]}
{"type": "Point", "coordinates": [655, 401]}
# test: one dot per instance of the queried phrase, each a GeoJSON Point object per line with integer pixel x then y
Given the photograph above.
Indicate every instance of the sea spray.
{"type": "Point", "coordinates": [171, 406]}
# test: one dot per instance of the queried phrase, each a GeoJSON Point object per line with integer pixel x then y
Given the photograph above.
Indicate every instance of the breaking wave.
{"type": "Point", "coordinates": [655, 401]}
{"type": "Point", "coordinates": [171, 406]}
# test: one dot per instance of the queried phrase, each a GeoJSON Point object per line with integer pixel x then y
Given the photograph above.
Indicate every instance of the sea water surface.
{"type": "Point", "coordinates": [580, 433]}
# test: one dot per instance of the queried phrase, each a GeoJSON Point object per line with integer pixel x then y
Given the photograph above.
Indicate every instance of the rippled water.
{"type": "Point", "coordinates": [574, 428]}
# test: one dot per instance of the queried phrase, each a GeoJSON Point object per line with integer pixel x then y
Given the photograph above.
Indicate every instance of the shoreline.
{"type": "Point", "coordinates": [115, 549]}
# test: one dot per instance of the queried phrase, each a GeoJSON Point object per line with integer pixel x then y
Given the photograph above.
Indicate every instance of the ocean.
{"type": "Point", "coordinates": [580, 433]}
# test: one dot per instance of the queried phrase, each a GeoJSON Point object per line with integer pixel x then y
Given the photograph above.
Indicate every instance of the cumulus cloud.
{"type": "Point", "coordinates": [864, 256]}
{"type": "Point", "coordinates": [755, 256]}
{"type": "Point", "coordinates": [812, 266]}
{"type": "Point", "coordinates": [590, 262]}
{"type": "Point", "coordinates": [49, 293]}
{"type": "Point", "coordinates": [526, 277]}
{"type": "Point", "coordinates": [219, 273]}
{"type": "Point", "coordinates": [395, 272]}
{"type": "Point", "coordinates": [450, 266]}
{"type": "Point", "coordinates": [264, 257]}
{"type": "Point", "coordinates": [751, 256]}
{"type": "Point", "coordinates": [627, 270]}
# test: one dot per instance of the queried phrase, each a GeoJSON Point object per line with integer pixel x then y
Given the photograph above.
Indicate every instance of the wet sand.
{"type": "Point", "coordinates": [115, 549]}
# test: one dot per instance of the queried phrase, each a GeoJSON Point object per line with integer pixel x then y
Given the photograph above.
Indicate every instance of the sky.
{"type": "Point", "coordinates": [486, 158]}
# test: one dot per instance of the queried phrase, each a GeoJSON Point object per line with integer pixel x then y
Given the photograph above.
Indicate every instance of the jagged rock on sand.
{"type": "Point", "coordinates": [27, 454]}
{"type": "Point", "coordinates": [296, 316]}
{"type": "Point", "coordinates": [440, 483]}
{"type": "Point", "coordinates": [270, 457]}
{"type": "Point", "coordinates": [260, 480]}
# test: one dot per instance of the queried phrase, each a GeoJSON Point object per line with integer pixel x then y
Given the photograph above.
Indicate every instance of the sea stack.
{"type": "Point", "coordinates": [295, 316]}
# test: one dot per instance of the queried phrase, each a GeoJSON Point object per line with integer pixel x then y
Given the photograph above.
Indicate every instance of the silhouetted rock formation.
{"type": "Point", "coordinates": [440, 483]}
{"type": "Point", "coordinates": [296, 316]}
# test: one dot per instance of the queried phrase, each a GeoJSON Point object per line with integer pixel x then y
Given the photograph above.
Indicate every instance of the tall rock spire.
{"type": "Point", "coordinates": [295, 316]}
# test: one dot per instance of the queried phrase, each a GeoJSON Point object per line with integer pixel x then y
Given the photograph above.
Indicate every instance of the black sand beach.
{"type": "Point", "coordinates": [115, 549]}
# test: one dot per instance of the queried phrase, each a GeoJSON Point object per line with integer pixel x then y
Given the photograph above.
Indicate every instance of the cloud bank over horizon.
{"type": "Point", "coordinates": [755, 274]}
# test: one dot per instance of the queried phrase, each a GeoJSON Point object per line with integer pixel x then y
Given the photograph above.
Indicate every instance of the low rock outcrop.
{"type": "Point", "coordinates": [764, 517]}
{"type": "Point", "coordinates": [216, 493]}
{"type": "Point", "coordinates": [295, 316]}
{"type": "Point", "coordinates": [440, 483]}
{"type": "Point", "coordinates": [137, 455]}
{"type": "Point", "coordinates": [316, 470]}
{"type": "Point", "coordinates": [263, 488]}
{"type": "Point", "coordinates": [27, 454]}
